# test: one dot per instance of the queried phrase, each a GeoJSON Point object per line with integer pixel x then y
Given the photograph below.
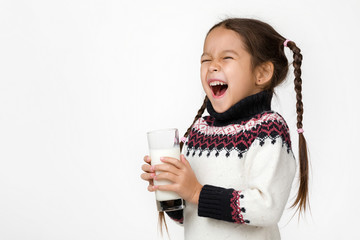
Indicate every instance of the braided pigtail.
{"type": "Point", "coordinates": [198, 115]}
{"type": "Point", "coordinates": [302, 199]}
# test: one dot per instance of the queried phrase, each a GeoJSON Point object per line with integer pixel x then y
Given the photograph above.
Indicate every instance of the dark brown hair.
{"type": "Point", "coordinates": [264, 44]}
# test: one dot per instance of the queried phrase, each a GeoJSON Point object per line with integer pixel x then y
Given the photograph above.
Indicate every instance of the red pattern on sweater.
{"type": "Point", "coordinates": [206, 137]}
{"type": "Point", "coordinates": [235, 205]}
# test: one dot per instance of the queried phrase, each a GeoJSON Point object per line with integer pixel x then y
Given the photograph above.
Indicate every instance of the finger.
{"type": "Point", "coordinates": [184, 160]}
{"type": "Point", "coordinates": [167, 176]}
{"type": "Point", "coordinates": [167, 168]}
{"type": "Point", "coordinates": [151, 188]}
{"type": "Point", "coordinates": [169, 187]}
{"type": "Point", "coordinates": [147, 168]}
{"type": "Point", "coordinates": [172, 161]}
{"type": "Point", "coordinates": [147, 159]}
{"type": "Point", "coordinates": [148, 176]}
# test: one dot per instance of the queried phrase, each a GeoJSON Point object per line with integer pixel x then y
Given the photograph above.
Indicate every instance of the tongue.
{"type": "Point", "coordinates": [219, 90]}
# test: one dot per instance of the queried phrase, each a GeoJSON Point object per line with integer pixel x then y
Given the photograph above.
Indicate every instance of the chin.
{"type": "Point", "coordinates": [219, 109]}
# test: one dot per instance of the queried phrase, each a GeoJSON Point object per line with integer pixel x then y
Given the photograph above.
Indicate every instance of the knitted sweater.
{"type": "Point", "coordinates": [243, 158]}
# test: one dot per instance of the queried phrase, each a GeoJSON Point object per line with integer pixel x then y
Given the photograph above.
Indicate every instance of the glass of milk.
{"type": "Point", "coordinates": [165, 143]}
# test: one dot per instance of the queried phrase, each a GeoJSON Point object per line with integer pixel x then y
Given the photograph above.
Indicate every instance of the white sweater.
{"type": "Point", "coordinates": [244, 160]}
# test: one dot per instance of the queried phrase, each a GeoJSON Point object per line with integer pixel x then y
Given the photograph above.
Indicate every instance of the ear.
{"type": "Point", "coordinates": [264, 73]}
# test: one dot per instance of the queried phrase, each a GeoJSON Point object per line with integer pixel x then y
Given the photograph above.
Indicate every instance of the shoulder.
{"type": "Point", "coordinates": [273, 126]}
{"type": "Point", "coordinates": [271, 118]}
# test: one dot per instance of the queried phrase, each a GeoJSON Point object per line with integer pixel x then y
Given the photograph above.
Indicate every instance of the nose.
{"type": "Point", "coordinates": [214, 67]}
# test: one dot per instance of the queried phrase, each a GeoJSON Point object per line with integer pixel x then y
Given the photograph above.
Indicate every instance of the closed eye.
{"type": "Point", "coordinates": [205, 60]}
{"type": "Point", "coordinates": [228, 57]}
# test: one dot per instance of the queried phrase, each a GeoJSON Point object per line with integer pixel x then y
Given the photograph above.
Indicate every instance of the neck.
{"type": "Point", "coordinates": [242, 110]}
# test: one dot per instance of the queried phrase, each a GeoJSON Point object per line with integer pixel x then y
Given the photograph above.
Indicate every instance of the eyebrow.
{"type": "Point", "coordinates": [225, 51]}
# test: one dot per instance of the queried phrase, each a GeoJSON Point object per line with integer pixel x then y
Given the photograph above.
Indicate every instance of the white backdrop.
{"type": "Point", "coordinates": [81, 82]}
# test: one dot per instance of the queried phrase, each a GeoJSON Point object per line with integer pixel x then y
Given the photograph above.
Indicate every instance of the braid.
{"type": "Point", "coordinates": [298, 82]}
{"type": "Point", "coordinates": [198, 115]}
{"type": "Point", "coordinates": [302, 197]}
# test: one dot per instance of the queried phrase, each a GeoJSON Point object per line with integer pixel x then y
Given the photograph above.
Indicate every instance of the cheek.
{"type": "Point", "coordinates": [205, 87]}
{"type": "Point", "coordinates": [202, 72]}
{"type": "Point", "coordinates": [233, 71]}
{"type": "Point", "coordinates": [203, 77]}
{"type": "Point", "coordinates": [238, 75]}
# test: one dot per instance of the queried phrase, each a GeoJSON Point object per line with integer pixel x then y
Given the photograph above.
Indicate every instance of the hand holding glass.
{"type": "Point", "coordinates": [165, 143]}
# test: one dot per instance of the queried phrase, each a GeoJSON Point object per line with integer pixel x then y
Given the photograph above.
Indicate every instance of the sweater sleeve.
{"type": "Point", "coordinates": [177, 216]}
{"type": "Point", "coordinates": [269, 172]}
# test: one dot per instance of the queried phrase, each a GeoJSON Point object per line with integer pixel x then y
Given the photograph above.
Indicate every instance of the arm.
{"type": "Point", "coordinates": [270, 168]}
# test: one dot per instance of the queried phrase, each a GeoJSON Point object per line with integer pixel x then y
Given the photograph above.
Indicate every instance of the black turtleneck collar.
{"type": "Point", "coordinates": [243, 110]}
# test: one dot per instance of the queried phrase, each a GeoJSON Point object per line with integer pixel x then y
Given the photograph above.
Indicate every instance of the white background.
{"type": "Point", "coordinates": [81, 82]}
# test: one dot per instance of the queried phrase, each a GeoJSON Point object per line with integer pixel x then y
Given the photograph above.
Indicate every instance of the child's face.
{"type": "Point", "coordinates": [226, 72]}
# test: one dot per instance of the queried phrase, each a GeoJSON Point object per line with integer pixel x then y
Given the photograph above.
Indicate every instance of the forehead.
{"type": "Point", "coordinates": [220, 39]}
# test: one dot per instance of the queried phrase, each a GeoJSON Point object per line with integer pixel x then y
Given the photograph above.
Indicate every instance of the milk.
{"type": "Point", "coordinates": [155, 155]}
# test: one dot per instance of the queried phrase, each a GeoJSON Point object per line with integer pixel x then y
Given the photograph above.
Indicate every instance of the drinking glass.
{"type": "Point", "coordinates": [165, 143]}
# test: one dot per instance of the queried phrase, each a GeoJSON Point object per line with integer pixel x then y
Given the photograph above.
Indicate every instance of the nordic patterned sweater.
{"type": "Point", "coordinates": [244, 161]}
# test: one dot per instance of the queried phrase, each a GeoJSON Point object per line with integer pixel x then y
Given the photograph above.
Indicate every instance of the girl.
{"type": "Point", "coordinates": [237, 166]}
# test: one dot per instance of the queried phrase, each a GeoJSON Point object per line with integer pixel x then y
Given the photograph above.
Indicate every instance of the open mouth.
{"type": "Point", "coordinates": [218, 88]}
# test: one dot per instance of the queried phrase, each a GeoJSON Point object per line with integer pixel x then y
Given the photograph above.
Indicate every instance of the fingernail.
{"type": "Point", "coordinates": [153, 175]}
{"type": "Point", "coordinates": [152, 168]}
